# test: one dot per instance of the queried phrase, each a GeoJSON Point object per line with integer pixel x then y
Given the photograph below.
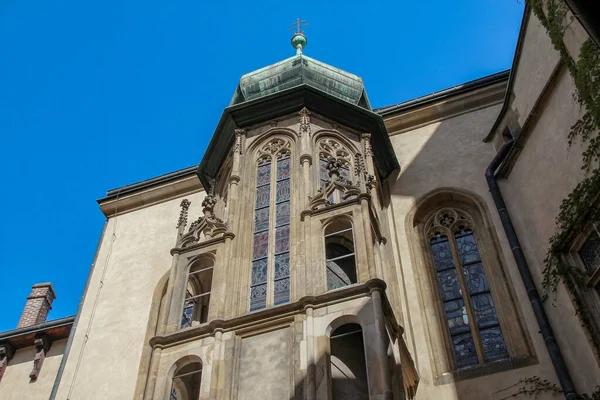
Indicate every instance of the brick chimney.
{"type": "Point", "coordinates": [39, 302]}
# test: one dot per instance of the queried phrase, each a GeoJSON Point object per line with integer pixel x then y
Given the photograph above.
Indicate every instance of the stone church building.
{"type": "Point", "coordinates": [323, 249]}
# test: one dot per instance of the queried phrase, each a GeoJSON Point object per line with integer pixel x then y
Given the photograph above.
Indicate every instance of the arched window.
{"type": "Point", "coordinates": [471, 317]}
{"type": "Point", "coordinates": [347, 363]}
{"type": "Point", "coordinates": [340, 260]}
{"type": "Point", "coordinates": [197, 296]}
{"type": "Point", "coordinates": [271, 249]}
{"type": "Point", "coordinates": [186, 382]}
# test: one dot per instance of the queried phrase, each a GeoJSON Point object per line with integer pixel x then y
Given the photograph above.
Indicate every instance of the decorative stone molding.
{"type": "Point", "coordinates": [239, 135]}
{"type": "Point", "coordinates": [275, 146]}
{"type": "Point", "coordinates": [366, 139]}
{"type": "Point", "coordinates": [42, 345]}
{"type": "Point", "coordinates": [304, 121]}
{"type": "Point", "coordinates": [183, 215]}
{"type": "Point", "coordinates": [7, 351]}
{"type": "Point", "coordinates": [284, 311]}
{"type": "Point", "coordinates": [447, 221]}
{"type": "Point", "coordinates": [330, 147]}
{"type": "Point", "coordinates": [306, 157]}
{"type": "Point", "coordinates": [207, 226]}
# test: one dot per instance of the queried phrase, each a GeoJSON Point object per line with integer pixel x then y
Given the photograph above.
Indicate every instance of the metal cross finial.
{"type": "Point", "coordinates": [298, 25]}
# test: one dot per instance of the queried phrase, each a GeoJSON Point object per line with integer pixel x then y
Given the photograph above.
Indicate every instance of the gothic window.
{"type": "Point", "coordinates": [590, 256]}
{"type": "Point", "coordinates": [470, 314]}
{"type": "Point", "coordinates": [197, 297]}
{"type": "Point", "coordinates": [186, 382]}
{"type": "Point", "coordinates": [347, 363]}
{"type": "Point", "coordinates": [331, 148]}
{"type": "Point", "coordinates": [340, 260]}
{"type": "Point", "coordinates": [271, 248]}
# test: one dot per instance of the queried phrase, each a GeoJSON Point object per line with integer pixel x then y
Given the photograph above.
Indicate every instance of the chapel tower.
{"type": "Point", "coordinates": [287, 275]}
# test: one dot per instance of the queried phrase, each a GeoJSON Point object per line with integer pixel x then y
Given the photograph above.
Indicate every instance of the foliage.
{"type": "Point", "coordinates": [581, 205]}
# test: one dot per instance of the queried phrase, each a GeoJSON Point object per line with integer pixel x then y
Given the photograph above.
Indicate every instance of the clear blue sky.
{"type": "Point", "coordinates": [96, 95]}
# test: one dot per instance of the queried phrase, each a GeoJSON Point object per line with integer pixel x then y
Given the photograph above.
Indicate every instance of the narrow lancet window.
{"type": "Point", "coordinates": [340, 260]}
{"type": "Point", "coordinates": [270, 277]}
{"type": "Point", "coordinates": [282, 232]}
{"type": "Point", "coordinates": [197, 297]}
{"type": "Point", "coordinates": [260, 250]}
{"type": "Point", "coordinates": [471, 316]}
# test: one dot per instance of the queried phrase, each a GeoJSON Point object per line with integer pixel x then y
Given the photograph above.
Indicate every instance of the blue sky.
{"type": "Point", "coordinates": [96, 95]}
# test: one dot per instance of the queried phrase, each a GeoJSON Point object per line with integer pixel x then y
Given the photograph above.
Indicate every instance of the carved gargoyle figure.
{"type": "Point", "coordinates": [42, 345]}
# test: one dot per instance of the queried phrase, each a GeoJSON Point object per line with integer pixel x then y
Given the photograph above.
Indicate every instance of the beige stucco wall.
{"type": "Point", "coordinates": [133, 256]}
{"type": "Point", "coordinates": [451, 154]}
{"type": "Point", "coordinates": [16, 385]}
{"type": "Point", "coordinates": [543, 175]}
{"type": "Point", "coordinates": [533, 69]}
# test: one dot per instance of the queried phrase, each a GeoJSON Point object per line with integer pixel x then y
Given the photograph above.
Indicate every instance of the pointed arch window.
{"type": "Point", "coordinates": [270, 277]}
{"type": "Point", "coordinates": [471, 317]}
{"type": "Point", "coordinates": [340, 260]}
{"type": "Point", "coordinates": [197, 296]}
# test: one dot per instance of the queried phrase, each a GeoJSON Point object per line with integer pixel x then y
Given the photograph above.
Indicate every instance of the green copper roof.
{"type": "Point", "coordinates": [298, 70]}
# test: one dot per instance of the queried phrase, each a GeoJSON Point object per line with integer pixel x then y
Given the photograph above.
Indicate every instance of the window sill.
{"type": "Point", "coordinates": [485, 369]}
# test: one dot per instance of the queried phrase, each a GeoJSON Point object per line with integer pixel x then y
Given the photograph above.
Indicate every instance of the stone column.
{"type": "Point", "coordinates": [311, 390]}
{"type": "Point", "coordinates": [216, 384]}
{"type": "Point", "coordinates": [172, 317]}
{"type": "Point", "coordinates": [366, 218]}
{"type": "Point", "coordinates": [152, 374]}
{"type": "Point", "coordinates": [380, 376]}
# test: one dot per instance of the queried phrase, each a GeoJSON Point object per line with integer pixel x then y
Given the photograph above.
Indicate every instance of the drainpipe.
{"type": "Point", "coordinates": [564, 378]}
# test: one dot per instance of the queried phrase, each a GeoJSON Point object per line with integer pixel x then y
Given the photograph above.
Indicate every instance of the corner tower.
{"type": "Point", "coordinates": [288, 271]}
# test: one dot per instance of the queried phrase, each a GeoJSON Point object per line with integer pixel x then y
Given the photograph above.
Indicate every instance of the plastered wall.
{"type": "Point", "coordinates": [16, 385]}
{"type": "Point", "coordinates": [451, 154]}
{"type": "Point", "coordinates": [543, 175]}
{"type": "Point", "coordinates": [134, 255]}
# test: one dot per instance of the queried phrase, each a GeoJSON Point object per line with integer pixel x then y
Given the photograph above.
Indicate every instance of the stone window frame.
{"type": "Point", "coordinates": [441, 353]}
{"type": "Point", "coordinates": [192, 278]}
{"type": "Point", "coordinates": [348, 218]}
{"type": "Point", "coordinates": [271, 147]}
{"type": "Point", "coordinates": [178, 366]}
{"type": "Point", "coordinates": [590, 292]}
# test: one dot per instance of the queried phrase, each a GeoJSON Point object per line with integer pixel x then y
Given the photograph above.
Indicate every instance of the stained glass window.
{"type": "Point", "coordinates": [465, 296]}
{"type": "Point", "coordinates": [282, 233]}
{"type": "Point", "coordinates": [271, 239]}
{"type": "Point", "coordinates": [260, 252]}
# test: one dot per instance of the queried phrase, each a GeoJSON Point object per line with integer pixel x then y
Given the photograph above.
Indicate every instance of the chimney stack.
{"type": "Point", "coordinates": [39, 303]}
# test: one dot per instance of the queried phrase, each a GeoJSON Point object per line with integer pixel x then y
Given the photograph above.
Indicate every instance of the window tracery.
{"type": "Point", "coordinates": [471, 316]}
{"type": "Point", "coordinates": [271, 248]}
{"type": "Point", "coordinates": [330, 148]}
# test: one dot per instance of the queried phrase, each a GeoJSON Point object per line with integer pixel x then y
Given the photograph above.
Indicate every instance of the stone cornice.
{"type": "Point", "coordinates": [415, 115]}
{"type": "Point", "coordinates": [206, 243]}
{"type": "Point", "coordinates": [275, 316]}
{"type": "Point", "coordinates": [155, 191]}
